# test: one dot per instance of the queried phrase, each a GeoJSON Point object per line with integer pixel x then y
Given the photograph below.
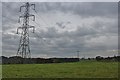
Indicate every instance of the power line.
{"type": "Point", "coordinates": [41, 17]}
{"type": "Point", "coordinates": [11, 19]}
{"type": "Point", "coordinates": [38, 36]}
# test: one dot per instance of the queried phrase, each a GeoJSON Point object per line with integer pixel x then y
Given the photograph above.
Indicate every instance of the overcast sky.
{"type": "Point", "coordinates": [63, 28]}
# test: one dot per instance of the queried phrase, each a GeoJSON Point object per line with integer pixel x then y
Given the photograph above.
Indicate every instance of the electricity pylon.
{"type": "Point", "coordinates": [24, 48]}
{"type": "Point", "coordinates": [78, 54]}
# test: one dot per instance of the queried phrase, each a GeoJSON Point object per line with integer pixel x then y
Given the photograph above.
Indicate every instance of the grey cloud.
{"type": "Point", "coordinates": [81, 8]}
{"type": "Point", "coordinates": [63, 24]}
{"type": "Point", "coordinates": [66, 43]}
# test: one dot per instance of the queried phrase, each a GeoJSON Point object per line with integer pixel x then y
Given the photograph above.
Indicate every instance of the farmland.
{"type": "Point", "coordinates": [82, 69]}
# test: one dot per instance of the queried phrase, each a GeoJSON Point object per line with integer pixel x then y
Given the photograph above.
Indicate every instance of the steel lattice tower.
{"type": "Point", "coordinates": [24, 48]}
{"type": "Point", "coordinates": [78, 54]}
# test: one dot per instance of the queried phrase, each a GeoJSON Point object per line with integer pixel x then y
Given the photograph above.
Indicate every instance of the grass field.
{"type": "Point", "coordinates": [82, 69]}
{"type": "Point", "coordinates": [0, 71]}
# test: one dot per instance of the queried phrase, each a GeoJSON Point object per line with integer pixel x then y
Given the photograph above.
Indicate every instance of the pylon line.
{"type": "Point", "coordinates": [24, 47]}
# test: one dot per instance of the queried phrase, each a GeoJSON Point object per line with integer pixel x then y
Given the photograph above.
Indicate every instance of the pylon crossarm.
{"type": "Point", "coordinates": [32, 16]}
{"type": "Point", "coordinates": [18, 29]}
{"type": "Point", "coordinates": [21, 7]}
{"type": "Point", "coordinates": [20, 17]}
{"type": "Point", "coordinates": [33, 28]}
{"type": "Point", "coordinates": [33, 6]}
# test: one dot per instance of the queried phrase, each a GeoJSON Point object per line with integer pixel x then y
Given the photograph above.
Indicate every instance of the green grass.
{"type": "Point", "coordinates": [0, 71]}
{"type": "Point", "coordinates": [82, 69]}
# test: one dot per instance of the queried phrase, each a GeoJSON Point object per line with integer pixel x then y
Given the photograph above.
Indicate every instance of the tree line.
{"type": "Point", "coordinates": [20, 60]}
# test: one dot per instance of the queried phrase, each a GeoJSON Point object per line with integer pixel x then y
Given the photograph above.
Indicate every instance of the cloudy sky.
{"type": "Point", "coordinates": [63, 28]}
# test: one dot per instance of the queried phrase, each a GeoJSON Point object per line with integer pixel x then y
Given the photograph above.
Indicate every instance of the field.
{"type": "Point", "coordinates": [82, 69]}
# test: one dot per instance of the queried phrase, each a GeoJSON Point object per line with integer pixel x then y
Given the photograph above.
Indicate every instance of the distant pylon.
{"type": "Point", "coordinates": [24, 48]}
{"type": "Point", "coordinates": [78, 54]}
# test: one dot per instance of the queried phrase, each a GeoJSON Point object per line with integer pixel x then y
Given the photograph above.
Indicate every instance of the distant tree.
{"type": "Point", "coordinates": [98, 58]}
{"type": "Point", "coordinates": [89, 59]}
{"type": "Point", "coordinates": [83, 58]}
